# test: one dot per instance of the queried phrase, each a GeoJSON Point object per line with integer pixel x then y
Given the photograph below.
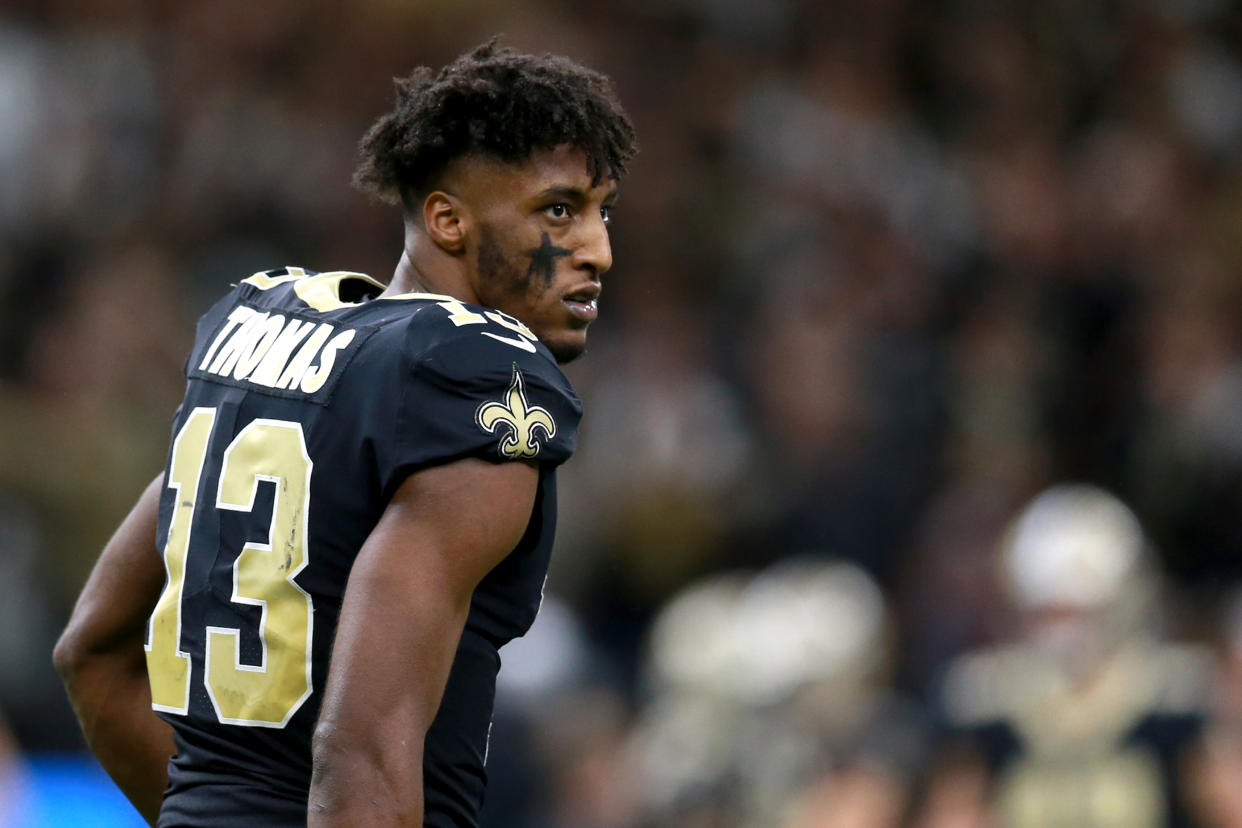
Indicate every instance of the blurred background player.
{"type": "Point", "coordinates": [769, 705]}
{"type": "Point", "coordinates": [1089, 717]}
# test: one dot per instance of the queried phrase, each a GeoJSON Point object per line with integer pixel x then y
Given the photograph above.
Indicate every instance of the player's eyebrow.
{"type": "Point", "coordinates": [574, 195]}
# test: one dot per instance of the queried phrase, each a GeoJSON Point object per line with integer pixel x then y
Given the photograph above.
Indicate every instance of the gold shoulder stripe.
{"type": "Point", "coordinates": [264, 282]}
{"type": "Point", "coordinates": [323, 292]}
{"type": "Point", "coordinates": [432, 297]}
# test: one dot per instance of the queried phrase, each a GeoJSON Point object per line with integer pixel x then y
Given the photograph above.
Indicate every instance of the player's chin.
{"type": "Point", "coordinates": [566, 345]}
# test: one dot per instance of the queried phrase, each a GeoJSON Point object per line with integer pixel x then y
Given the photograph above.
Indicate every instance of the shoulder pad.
{"type": "Point", "coordinates": [322, 292]}
{"type": "Point", "coordinates": [991, 684]}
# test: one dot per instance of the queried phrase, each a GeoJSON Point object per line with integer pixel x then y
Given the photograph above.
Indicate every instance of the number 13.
{"type": "Point", "coordinates": [267, 694]}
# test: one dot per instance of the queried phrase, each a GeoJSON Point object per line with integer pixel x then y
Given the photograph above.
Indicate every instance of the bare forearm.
{"type": "Point", "coordinates": [350, 787]}
{"type": "Point", "coordinates": [101, 660]}
{"type": "Point", "coordinates": [368, 744]}
{"type": "Point", "coordinates": [112, 700]}
{"type": "Point", "coordinates": [368, 756]}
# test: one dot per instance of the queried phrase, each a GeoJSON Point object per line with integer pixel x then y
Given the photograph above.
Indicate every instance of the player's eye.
{"type": "Point", "coordinates": [558, 211]}
{"type": "Point", "coordinates": [606, 214]}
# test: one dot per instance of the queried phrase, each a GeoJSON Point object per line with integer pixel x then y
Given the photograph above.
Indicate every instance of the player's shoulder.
{"type": "Point", "coordinates": [479, 383]}
{"type": "Point", "coordinates": [988, 684]}
{"type": "Point", "coordinates": [1148, 677]}
{"type": "Point", "coordinates": [295, 291]}
{"type": "Point", "coordinates": [291, 332]}
{"type": "Point", "coordinates": [301, 289]}
{"type": "Point", "coordinates": [465, 344]}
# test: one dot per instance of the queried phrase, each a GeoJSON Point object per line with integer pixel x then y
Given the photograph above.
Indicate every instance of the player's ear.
{"type": "Point", "coordinates": [444, 217]}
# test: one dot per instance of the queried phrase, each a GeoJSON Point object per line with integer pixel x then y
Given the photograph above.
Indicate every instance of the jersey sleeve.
{"type": "Point", "coordinates": [472, 396]}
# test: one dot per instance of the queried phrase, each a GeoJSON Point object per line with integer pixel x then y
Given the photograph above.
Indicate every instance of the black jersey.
{"type": "Point", "coordinates": [308, 403]}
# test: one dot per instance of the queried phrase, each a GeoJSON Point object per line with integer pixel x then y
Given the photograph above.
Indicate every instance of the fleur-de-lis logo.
{"type": "Point", "coordinates": [523, 420]}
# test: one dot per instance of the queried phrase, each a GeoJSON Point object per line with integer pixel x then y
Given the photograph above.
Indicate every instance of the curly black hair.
{"type": "Point", "coordinates": [498, 102]}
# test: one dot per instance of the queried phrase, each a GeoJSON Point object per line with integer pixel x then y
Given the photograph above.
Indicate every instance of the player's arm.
{"type": "Point", "coordinates": [101, 660]}
{"type": "Point", "coordinates": [402, 617]}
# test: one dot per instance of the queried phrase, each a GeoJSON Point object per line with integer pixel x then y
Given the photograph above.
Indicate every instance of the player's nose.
{"type": "Point", "coordinates": [595, 251]}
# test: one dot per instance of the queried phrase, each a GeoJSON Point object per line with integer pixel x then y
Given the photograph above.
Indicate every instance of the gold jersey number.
{"type": "Point", "coordinates": [269, 693]}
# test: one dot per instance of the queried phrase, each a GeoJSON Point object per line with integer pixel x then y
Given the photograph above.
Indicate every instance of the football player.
{"type": "Point", "coordinates": [298, 623]}
{"type": "Point", "coordinates": [770, 705]}
{"type": "Point", "coordinates": [1090, 717]}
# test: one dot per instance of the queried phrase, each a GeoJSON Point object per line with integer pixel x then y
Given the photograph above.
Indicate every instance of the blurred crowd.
{"type": "Point", "coordinates": [885, 271]}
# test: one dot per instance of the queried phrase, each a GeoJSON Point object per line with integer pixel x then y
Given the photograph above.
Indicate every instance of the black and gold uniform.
{"type": "Point", "coordinates": [308, 403]}
{"type": "Point", "coordinates": [1106, 749]}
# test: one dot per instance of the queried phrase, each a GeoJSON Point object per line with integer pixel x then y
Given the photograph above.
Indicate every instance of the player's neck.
{"type": "Point", "coordinates": [415, 276]}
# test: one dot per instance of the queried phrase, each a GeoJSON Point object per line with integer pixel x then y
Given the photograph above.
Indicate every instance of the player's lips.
{"type": "Point", "coordinates": [583, 303]}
